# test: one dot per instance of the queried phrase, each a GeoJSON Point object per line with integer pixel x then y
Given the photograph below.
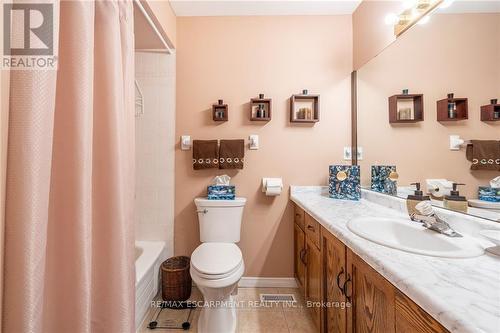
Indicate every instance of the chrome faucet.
{"type": "Point", "coordinates": [431, 221]}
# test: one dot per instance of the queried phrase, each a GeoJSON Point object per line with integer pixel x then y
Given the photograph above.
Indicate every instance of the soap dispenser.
{"type": "Point", "coordinates": [455, 201]}
{"type": "Point", "coordinates": [414, 199]}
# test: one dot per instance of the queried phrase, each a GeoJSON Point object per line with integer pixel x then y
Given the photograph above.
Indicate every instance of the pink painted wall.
{"type": "Point", "coordinates": [236, 58]}
{"type": "Point", "coordinates": [370, 33]}
{"type": "Point", "coordinates": [452, 53]}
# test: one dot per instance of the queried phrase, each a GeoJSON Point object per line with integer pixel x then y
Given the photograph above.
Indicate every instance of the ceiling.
{"type": "Point", "coordinates": [467, 6]}
{"type": "Point", "coordinates": [262, 7]}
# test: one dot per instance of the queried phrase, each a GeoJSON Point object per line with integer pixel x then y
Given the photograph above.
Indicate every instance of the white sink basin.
{"type": "Point", "coordinates": [409, 236]}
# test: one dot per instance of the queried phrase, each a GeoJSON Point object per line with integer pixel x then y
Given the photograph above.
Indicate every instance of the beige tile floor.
{"type": "Point", "coordinates": [251, 319]}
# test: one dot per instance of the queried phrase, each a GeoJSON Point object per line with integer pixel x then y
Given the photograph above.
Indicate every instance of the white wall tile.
{"type": "Point", "coordinates": [155, 147]}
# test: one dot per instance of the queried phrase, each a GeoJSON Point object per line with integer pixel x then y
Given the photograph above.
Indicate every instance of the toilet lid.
{"type": "Point", "coordinates": [216, 258]}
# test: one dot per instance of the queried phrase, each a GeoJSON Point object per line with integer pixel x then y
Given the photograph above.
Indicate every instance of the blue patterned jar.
{"type": "Point", "coordinates": [384, 179]}
{"type": "Point", "coordinates": [344, 182]}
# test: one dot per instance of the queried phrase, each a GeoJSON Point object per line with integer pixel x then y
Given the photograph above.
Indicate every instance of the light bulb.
{"type": "Point", "coordinates": [414, 13]}
{"type": "Point", "coordinates": [391, 19]}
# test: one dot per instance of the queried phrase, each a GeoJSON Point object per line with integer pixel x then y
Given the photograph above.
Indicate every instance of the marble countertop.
{"type": "Point", "coordinates": [462, 294]}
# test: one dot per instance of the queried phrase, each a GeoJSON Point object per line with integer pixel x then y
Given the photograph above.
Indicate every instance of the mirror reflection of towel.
{"type": "Point", "coordinates": [231, 154]}
{"type": "Point", "coordinates": [205, 154]}
{"type": "Point", "coordinates": [484, 154]}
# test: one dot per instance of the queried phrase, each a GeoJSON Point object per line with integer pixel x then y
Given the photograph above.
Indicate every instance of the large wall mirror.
{"type": "Point", "coordinates": [437, 80]}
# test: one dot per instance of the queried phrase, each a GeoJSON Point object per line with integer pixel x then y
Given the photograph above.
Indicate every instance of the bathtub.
{"type": "Point", "coordinates": [148, 257]}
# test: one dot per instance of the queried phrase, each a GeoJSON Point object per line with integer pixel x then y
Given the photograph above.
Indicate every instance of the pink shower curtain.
{"type": "Point", "coordinates": [69, 263]}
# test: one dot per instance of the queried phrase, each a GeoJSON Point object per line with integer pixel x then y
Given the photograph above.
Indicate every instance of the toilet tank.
{"type": "Point", "coordinates": [220, 220]}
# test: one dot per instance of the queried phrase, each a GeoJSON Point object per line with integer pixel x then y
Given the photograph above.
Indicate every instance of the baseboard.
{"type": "Point", "coordinates": [266, 282]}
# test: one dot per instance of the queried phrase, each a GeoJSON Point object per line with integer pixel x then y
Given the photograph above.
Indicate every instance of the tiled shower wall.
{"type": "Point", "coordinates": [155, 144]}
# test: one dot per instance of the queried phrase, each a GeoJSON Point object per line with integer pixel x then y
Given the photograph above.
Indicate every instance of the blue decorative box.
{"type": "Point", "coordinates": [221, 192]}
{"type": "Point", "coordinates": [486, 193]}
{"type": "Point", "coordinates": [381, 179]}
{"type": "Point", "coordinates": [344, 182]}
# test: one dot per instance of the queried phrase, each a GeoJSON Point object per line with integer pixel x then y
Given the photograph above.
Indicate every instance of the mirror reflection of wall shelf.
{"type": "Point", "coordinates": [220, 111]}
{"type": "Point", "coordinates": [491, 112]}
{"type": "Point", "coordinates": [406, 108]}
{"type": "Point", "coordinates": [452, 109]}
{"type": "Point", "coordinates": [304, 108]}
{"type": "Point", "coordinates": [260, 108]}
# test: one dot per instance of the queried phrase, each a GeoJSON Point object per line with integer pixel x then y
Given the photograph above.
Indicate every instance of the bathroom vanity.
{"type": "Point", "coordinates": [385, 289]}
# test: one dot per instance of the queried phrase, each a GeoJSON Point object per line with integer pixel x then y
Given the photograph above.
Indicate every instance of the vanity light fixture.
{"type": "Point", "coordinates": [415, 11]}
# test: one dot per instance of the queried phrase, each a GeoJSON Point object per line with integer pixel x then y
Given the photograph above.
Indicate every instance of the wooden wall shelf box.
{"type": "Point", "coordinates": [220, 111]}
{"type": "Point", "coordinates": [304, 108]}
{"type": "Point", "coordinates": [488, 112]}
{"type": "Point", "coordinates": [267, 108]}
{"type": "Point", "coordinates": [462, 109]}
{"type": "Point", "coordinates": [415, 104]}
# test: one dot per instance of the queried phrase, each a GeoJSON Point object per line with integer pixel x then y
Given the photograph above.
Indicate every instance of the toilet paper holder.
{"type": "Point", "coordinates": [272, 186]}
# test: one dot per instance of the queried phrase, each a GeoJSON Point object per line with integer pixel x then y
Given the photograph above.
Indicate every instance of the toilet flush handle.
{"type": "Point", "coordinates": [202, 211]}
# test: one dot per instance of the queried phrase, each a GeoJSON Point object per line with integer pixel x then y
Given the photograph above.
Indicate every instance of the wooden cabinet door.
{"type": "Point", "coordinates": [298, 216]}
{"type": "Point", "coordinates": [372, 298]}
{"type": "Point", "coordinates": [299, 253]}
{"type": "Point", "coordinates": [335, 272]}
{"type": "Point", "coordinates": [411, 318]}
{"type": "Point", "coordinates": [312, 229]}
{"type": "Point", "coordinates": [313, 279]}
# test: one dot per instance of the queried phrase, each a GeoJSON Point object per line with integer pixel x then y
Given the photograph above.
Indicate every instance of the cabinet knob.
{"type": "Point", "coordinates": [310, 227]}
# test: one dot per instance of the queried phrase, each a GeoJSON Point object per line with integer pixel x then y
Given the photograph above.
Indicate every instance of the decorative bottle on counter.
{"type": "Point", "coordinates": [413, 200]}
{"type": "Point", "coordinates": [455, 201]}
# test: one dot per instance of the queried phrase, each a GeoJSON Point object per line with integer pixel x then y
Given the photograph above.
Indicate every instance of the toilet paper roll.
{"type": "Point", "coordinates": [439, 187]}
{"type": "Point", "coordinates": [272, 183]}
{"type": "Point", "coordinates": [273, 191]}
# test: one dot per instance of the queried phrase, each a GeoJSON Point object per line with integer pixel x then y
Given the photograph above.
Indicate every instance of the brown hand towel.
{"type": "Point", "coordinates": [484, 154]}
{"type": "Point", "coordinates": [205, 154]}
{"type": "Point", "coordinates": [231, 154]}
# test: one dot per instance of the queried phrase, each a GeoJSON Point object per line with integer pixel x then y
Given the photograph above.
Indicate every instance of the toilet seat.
{"type": "Point", "coordinates": [213, 261]}
{"type": "Point", "coordinates": [215, 276]}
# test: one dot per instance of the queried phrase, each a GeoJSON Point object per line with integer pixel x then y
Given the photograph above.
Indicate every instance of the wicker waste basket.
{"type": "Point", "coordinates": [175, 279]}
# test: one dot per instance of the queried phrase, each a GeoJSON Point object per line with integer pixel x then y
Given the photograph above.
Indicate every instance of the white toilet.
{"type": "Point", "coordinates": [217, 264]}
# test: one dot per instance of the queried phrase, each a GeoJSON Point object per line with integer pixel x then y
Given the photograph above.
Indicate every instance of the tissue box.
{"type": "Point", "coordinates": [348, 188]}
{"type": "Point", "coordinates": [381, 181]}
{"type": "Point", "coordinates": [221, 192]}
{"type": "Point", "coordinates": [486, 193]}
